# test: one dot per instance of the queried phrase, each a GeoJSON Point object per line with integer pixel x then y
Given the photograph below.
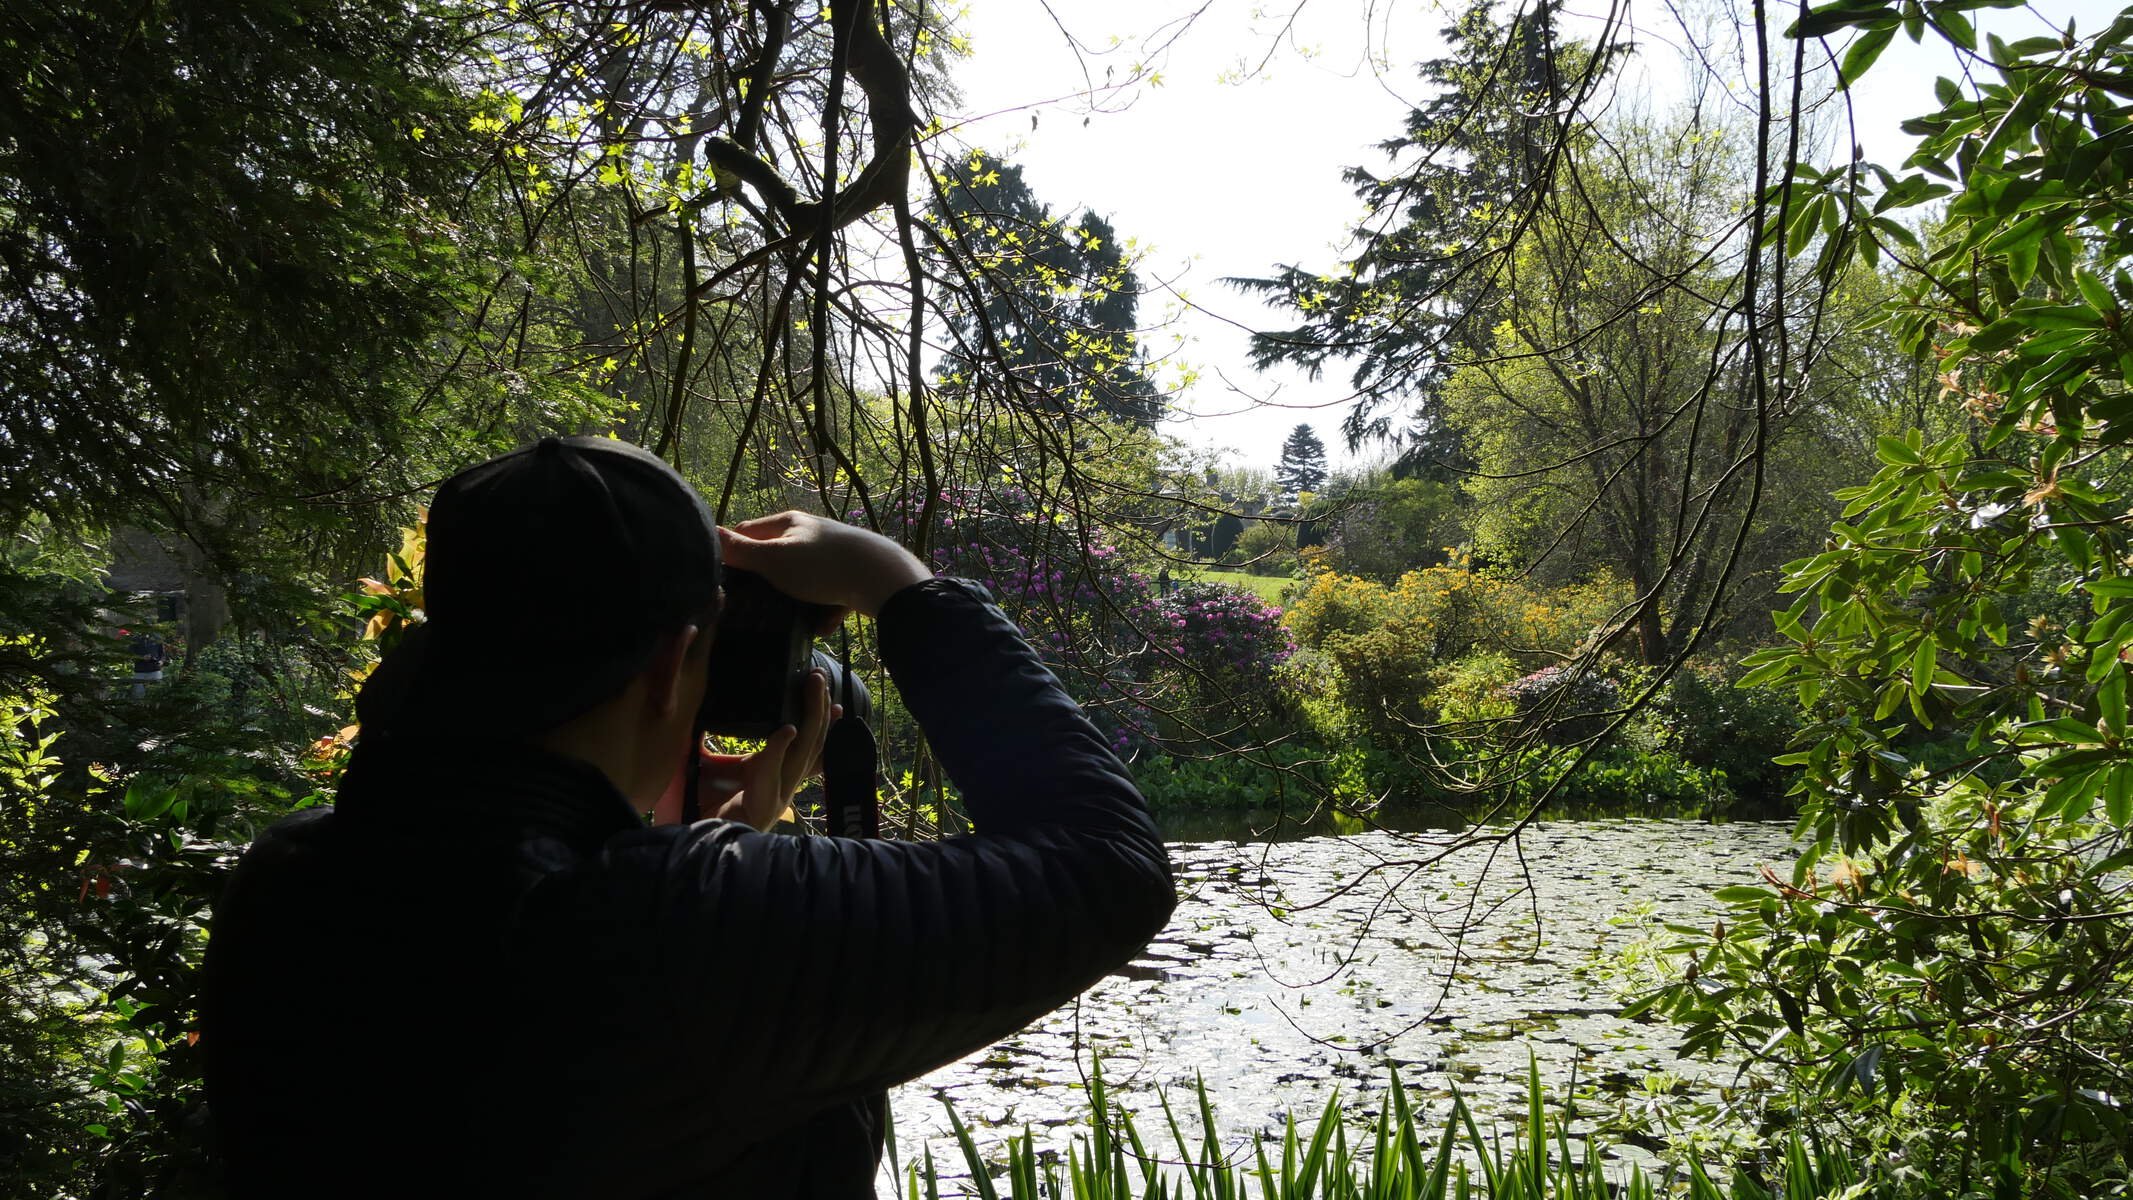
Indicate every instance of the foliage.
{"type": "Point", "coordinates": [112, 866]}
{"type": "Point", "coordinates": [1474, 689]}
{"type": "Point", "coordinates": [1388, 645]}
{"type": "Point", "coordinates": [1950, 950]}
{"type": "Point", "coordinates": [1567, 703]}
{"type": "Point", "coordinates": [1403, 1159]}
{"type": "Point", "coordinates": [1303, 463]}
{"type": "Point", "coordinates": [1281, 778]}
{"type": "Point", "coordinates": [1609, 418]}
{"type": "Point", "coordinates": [117, 819]}
{"type": "Point", "coordinates": [1385, 527]}
{"type": "Point", "coordinates": [1467, 166]}
{"type": "Point", "coordinates": [1554, 300]}
{"type": "Point", "coordinates": [218, 300]}
{"type": "Point", "coordinates": [1273, 591]}
{"type": "Point", "coordinates": [1149, 663]}
{"type": "Point", "coordinates": [1629, 781]}
{"type": "Point", "coordinates": [1268, 548]}
{"type": "Point", "coordinates": [1705, 719]}
{"type": "Point", "coordinates": [1058, 298]}
{"type": "Point", "coordinates": [1226, 631]}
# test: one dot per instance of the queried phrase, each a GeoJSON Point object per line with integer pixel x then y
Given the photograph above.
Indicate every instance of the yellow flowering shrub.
{"type": "Point", "coordinates": [1393, 646]}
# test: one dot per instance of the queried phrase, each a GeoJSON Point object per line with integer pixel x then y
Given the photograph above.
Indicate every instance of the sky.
{"type": "Point", "coordinates": [1216, 141]}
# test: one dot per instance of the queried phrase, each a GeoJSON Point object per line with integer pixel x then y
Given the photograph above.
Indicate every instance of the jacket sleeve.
{"type": "Point", "coordinates": [849, 966]}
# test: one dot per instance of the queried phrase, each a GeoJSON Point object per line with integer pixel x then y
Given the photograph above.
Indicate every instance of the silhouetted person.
{"type": "Point", "coordinates": [487, 971]}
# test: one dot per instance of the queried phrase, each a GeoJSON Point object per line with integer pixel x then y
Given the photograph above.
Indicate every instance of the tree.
{"type": "Point", "coordinates": [1418, 293]}
{"type": "Point", "coordinates": [1057, 298]}
{"type": "Point", "coordinates": [1268, 548]}
{"type": "Point", "coordinates": [1303, 463]}
{"type": "Point", "coordinates": [1385, 527]}
{"type": "Point", "coordinates": [1609, 393]}
{"type": "Point", "coordinates": [228, 253]}
{"type": "Point", "coordinates": [1943, 979]}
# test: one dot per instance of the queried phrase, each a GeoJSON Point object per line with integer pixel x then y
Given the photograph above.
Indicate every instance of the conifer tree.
{"type": "Point", "coordinates": [1303, 463]}
{"type": "Point", "coordinates": [1419, 292]}
{"type": "Point", "coordinates": [1056, 293]}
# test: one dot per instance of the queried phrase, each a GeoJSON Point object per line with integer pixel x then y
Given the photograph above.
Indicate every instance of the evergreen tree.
{"type": "Point", "coordinates": [1052, 300]}
{"type": "Point", "coordinates": [1420, 292]}
{"type": "Point", "coordinates": [219, 244]}
{"type": "Point", "coordinates": [1303, 463]}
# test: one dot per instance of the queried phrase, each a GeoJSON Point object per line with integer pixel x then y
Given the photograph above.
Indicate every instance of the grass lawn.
{"type": "Point", "coordinates": [1267, 587]}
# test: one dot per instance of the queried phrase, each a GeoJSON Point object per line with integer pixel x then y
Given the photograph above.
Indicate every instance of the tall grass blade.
{"type": "Point", "coordinates": [1538, 1162]}
{"type": "Point", "coordinates": [1447, 1146]}
{"type": "Point", "coordinates": [1404, 1128]}
{"type": "Point", "coordinates": [978, 1174]}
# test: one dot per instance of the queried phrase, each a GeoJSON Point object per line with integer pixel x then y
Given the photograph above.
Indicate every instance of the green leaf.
{"type": "Point", "coordinates": [2094, 291]}
{"type": "Point", "coordinates": [2118, 795]}
{"type": "Point", "coordinates": [1789, 1008]}
{"type": "Point", "coordinates": [1998, 335]}
{"type": "Point", "coordinates": [1829, 18]}
{"type": "Point", "coordinates": [2111, 704]}
{"type": "Point", "coordinates": [148, 797]}
{"type": "Point", "coordinates": [1743, 895]}
{"type": "Point", "coordinates": [1892, 698]}
{"type": "Point", "coordinates": [2061, 730]}
{"type": "Point", "coordinates": [1864, 1067]}
{"type": "Point", "coordinates": [1864, 50]}
{"type": "Point", "coordinates": [1804, 226]}
{"type": "Point", "coordinates": [1960, 31]}
{"type": "Point", "coordinates": [1765, 674]}
{"type": "Point", "coordinates": [1896, 451]}
{"type": "Point", "coordinates": [1924, 661]}
{"type": "Point", "coordinates": [2071, 798]}
{"type": "Point", "coordinates": [2087, 756]}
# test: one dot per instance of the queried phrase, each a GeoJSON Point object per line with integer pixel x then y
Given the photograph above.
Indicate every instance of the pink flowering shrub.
{"type": "Point", "coordinates": [1225, 631]}
{"type": "Point", "coordinates": [1571, 704]}
{"type": "Point", "coordinates": [1130, 653]}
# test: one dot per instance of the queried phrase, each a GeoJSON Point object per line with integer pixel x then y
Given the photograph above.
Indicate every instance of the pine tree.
{"type": "Point", "coordinates": [1303, 463]}
{"type": "Point", "coordinates": [1420, 292]}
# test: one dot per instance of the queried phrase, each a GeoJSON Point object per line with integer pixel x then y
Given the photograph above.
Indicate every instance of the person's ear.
{"type": "Point", "coordinates": [667, 674]}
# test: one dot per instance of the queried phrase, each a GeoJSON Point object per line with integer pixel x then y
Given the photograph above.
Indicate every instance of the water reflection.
{"type": "Point", "coordinates": [1294, 967]}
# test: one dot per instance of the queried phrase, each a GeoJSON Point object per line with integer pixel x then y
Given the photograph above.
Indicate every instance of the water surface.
{"type": "Point", "coordinates": [1295, 968]}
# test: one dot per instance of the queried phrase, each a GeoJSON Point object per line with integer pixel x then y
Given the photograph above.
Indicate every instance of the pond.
{"type": "Point", "coordinates": [1295, 968]}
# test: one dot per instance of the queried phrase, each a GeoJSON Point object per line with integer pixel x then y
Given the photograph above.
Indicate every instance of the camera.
{"type": "Point", "coordinates": [761, 654]}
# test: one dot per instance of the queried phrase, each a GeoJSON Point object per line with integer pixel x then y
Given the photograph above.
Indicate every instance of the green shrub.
{"type": "Point", "coordinates": [1471, 690]}
{"type": "Point", "coordinates": [1389, 645]}
{"type": "Point", "coordinates": [1292, 775]}
{"type": "Point", "coordinates": [1702, 717]}
{"type": "Point", "coordinates": [1623, 781]}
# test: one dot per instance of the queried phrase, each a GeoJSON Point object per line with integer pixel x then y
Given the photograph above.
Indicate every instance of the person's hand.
{"type": "Point", "coordinates": [822, 561]}
{"type": "Point", "coordinates": [757, 789]}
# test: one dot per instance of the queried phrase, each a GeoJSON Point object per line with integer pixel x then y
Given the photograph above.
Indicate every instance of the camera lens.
{"type": "Point", "coordinates": [860, 703]}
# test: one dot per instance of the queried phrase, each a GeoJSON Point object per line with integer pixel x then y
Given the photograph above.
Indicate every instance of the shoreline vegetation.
{"type": "Point", "coordinates": [1400, 1153]}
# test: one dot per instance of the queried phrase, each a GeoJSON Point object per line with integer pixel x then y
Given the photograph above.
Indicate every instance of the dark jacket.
{"type": "Point", "coordinates": [481, 974]}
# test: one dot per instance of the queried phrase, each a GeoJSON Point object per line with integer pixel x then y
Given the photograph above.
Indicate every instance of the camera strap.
{"type": "Point", "coordinates": [692, 809]}
{"type": "Point", "coordinates": [850, 800]}
{"type": "Point", "coordinates": [848, 797]}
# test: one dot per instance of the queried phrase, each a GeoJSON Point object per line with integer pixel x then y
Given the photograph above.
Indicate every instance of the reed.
{"type": "Point", "coordinates": [1401, 1159]}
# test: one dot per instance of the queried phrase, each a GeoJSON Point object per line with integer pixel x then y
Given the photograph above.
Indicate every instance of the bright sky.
{"type": "Point", "coordinates": [1226, 158]}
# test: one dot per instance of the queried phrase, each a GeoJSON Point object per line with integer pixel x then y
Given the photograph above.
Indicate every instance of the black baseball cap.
{"type": "Point", "coordinates": [550, 575]}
